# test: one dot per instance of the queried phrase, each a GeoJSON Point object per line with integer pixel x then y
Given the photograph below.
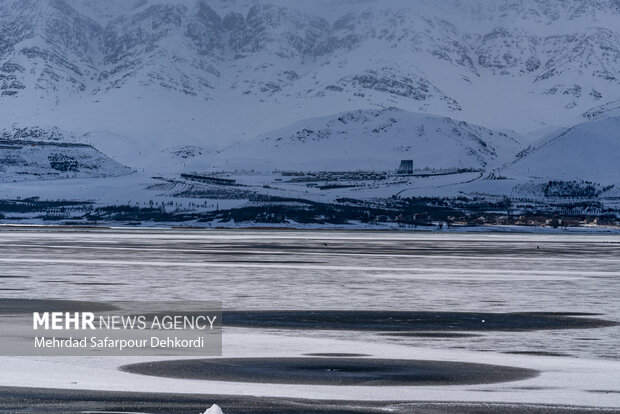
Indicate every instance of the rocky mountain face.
{"type": "Point", "coordinates": [46, 47]}
{"type": "Point", "coordinates": [567, 51]}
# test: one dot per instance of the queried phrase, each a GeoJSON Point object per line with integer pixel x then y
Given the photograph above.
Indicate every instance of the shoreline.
{"type": "Point", "coordinates": [36, 400]}
{"type": "Point", "coordinates": [487, 228]}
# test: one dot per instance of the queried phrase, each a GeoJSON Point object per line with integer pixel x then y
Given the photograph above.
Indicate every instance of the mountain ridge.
{"type": "Point", "coordinates": [364, 55]}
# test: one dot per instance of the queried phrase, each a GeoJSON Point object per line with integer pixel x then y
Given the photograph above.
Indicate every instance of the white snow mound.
{"type": "Point", "coordinates": [215, 409]}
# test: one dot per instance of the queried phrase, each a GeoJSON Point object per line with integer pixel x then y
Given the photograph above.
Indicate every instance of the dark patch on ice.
{"type": "Point", "coordinates": [8, 306]}
{"type": "Point", "coordinates": [332, 371]}
{"type": "Point", "coordinates": [535, 388]}
{"type": "Point", "coordinates": [403, 321]}
{"type": "Point", "coordinates": [337, 354]}
{"type": "Point", "coordinates": [429, 334]}
{"type": "Point", "coordinates": [275, 261]}
{"type": "Point", "coordinates": [538, 353]}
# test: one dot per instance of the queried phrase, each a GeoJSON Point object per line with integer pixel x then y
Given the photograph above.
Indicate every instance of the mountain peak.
{"type": "Point", "coordinates": [493, 63]}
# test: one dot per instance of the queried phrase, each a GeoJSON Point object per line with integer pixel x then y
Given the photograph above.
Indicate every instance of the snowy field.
{"type": "Point", "coordinates": [490, 274]}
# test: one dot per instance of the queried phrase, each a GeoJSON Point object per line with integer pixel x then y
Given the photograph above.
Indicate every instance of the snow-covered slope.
{"type": "Point", "coordinates": [371, 140]}
{"type": "Point", "coordinates": [588, 151]}
{"type": "Point", "coordinates": [22, 160]}
{"type": "Point", "coordinates": [184, 71]}
{"type": "Point", "coordinates": [610, 109]}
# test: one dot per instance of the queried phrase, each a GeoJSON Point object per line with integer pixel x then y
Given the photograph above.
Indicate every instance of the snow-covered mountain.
{"type": "Point", "coordinates": [588, 151]}
{"type": "Point", "coordinates": [487, 95]}
{"type": "Point", "coordinates": [123, 66]}
{"type": "Point", "coordinates": [371, 140]}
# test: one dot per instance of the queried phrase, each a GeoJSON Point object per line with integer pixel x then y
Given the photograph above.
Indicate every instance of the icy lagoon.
{"type": "Point", "coordinates": [490, 299]}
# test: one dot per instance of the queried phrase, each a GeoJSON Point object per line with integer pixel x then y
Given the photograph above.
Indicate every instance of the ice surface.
{"type": "Point", "coordinates": [355, 271]}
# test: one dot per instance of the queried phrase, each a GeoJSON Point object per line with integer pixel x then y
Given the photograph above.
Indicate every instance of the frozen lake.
{"type": "Point", "coordinates": [265, 270]}
{"type": "Point", "coordinates": [486, 273]}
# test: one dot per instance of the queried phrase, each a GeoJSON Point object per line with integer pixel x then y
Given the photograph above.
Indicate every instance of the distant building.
{"type": "Point", "coordinates": [406, 167]}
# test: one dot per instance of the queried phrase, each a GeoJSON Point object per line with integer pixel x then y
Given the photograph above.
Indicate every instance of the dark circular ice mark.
{"type": "Point", "coordinates": [332, 371]}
